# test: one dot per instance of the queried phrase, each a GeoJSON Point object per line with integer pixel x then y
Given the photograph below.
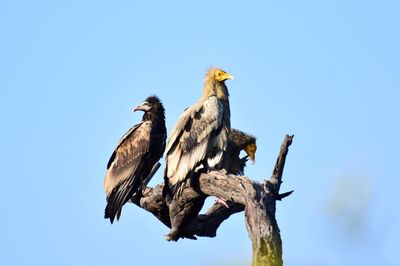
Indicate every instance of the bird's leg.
{"type": "Point", "coordinates": [221, 201]}
{"type": "Point", "coordinates": [218, 200]}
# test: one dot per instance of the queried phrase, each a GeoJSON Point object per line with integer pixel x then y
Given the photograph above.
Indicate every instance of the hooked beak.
{"type": "Point", "coordinates": [251, 152]}
{"type": "Point", "coordinates": [141, 107]}
{"type": "Point", "coordinates": [252, 157]}
{"type": "Point", "coordinates": [230, 77]}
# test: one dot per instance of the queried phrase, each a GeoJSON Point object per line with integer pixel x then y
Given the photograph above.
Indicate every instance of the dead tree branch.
{"type": "Point", "coordinates": [256, 199]}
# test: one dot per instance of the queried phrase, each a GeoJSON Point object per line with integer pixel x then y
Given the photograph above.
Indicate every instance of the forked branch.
{"type": "Point", "coordinates": [256, 199]}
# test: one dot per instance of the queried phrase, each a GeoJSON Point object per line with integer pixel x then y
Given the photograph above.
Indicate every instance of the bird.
{"type": "Point", "coordinates": [198, 140]}
{"type": "Point", "coordinates": [238, 141]}
{"type": "Point", "coordinates": [134, 157]}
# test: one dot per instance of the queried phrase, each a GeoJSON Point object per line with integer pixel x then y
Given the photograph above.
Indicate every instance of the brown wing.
{"type": "Point", "coordinates": [124, 169]}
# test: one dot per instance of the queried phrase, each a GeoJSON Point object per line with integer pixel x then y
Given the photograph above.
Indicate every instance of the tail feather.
{"type": "Point", "coordinates": [118, 197]}
{"type": "Point", "coordinates": [110, 212]}
{"type": "Point", "coordinates": [172, 192]}
{"type": "Point", "coordinates": [177, 189]}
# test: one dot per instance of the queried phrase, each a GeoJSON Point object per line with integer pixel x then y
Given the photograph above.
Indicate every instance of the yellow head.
{"type": "Point", "coordinates": [214, 83]}
{"type": "Point", "coordinates": [221, 75]}
{"type": "Point", "coordinates": [251, 151]}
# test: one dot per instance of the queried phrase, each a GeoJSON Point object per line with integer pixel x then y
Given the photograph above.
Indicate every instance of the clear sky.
{"type": "Point", "coordinates": [325, 71]}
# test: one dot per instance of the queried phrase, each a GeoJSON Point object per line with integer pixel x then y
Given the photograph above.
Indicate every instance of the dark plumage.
{"type": "Point", "coordinates": [199, 138]}
{"type": "Point", "coordinates": [238, 141]}
{"type": "Point", "coordinates": [135, 155]}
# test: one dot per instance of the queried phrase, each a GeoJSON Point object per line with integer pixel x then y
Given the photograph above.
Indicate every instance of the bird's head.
{"type": "Point", "coordinates": [251, 149]}
{"type": "Point", "coordinates": [151, 102]}
{"type": "Point", "coordinates": [220, 75]}
{"type": "Point", "coordinates": [246, 142]}
{"type": "Point", "coordinates": [214, 83]}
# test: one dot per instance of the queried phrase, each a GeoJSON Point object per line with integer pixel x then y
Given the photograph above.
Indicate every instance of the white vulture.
{"type": "Point", "coordinates": [198, 140]}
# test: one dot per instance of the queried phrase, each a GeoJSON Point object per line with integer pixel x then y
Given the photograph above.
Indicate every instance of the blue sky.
{"type": "Point", "coordinates": [325, 71]}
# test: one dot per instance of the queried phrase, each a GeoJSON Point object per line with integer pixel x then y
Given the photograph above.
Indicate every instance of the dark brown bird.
{"type": "Point", "coordinates": [198, 139]}
{"type": "Point", "coordinates": [239, 141]}
{"type": "Point", "coordinates": [134, 157]}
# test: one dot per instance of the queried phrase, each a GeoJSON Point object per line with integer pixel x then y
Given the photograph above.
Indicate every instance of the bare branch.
{"type": "Point", "coordinates": [276, 178]}
{"type": "Point", "coordinates": [205, 225]}
{"type": "Point", "coordinates": [256, 199]}
{"type": "Point", "coordinates": [152, 173]}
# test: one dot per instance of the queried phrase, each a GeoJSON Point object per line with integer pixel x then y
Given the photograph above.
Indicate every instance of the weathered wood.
{"type": "Point", "coordinates": [260, 214]}
{"type": "Point", "coordinates": [205, 225]}
{"type": "Point", "coordinates": [256, 199]}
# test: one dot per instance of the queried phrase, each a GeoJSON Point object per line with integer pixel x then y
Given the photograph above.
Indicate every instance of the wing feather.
{"type": "Point", "coordinates": [180, 125]}
{"type": "Point", "coordinates": [190, 138]}
{"type": "Point", "coordinates": [123, 175]}
{"type": "Point", "coordinates": [128, 156]}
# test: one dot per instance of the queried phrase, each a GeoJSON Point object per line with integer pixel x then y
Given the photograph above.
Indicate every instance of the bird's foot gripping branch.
{"type": "Point", "coordinates": [257, 200]}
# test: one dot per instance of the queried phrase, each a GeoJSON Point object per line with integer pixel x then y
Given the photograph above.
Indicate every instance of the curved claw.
{"type": "Point", "coordinates": [221, 201]}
